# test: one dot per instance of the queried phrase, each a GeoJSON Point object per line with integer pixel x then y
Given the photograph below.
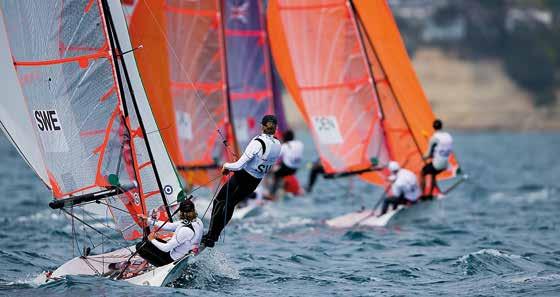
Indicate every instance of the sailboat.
{"type": "Point", "coordinates": [346, 67]}
{"type": "Point", "coordinates": [95, 137]}
{"type": "Point", "coordinates": [208, 63]}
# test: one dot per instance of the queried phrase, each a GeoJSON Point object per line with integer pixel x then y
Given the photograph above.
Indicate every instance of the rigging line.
{"type": "Point", "coordinates": [219, 185]}
{"type": "Point", "coordinates": [226, 210]}
{"type": "Point", "coordinates": [106, 225]}
{"type": "Point", "coordinates": [106, 204]}
{"type": "Point", "coordinates": [73, 234]}
{"type": "Point", "coordinates": [88, 225]}
{"type": "Point", "coordinates": [183, 70]}
{"type": "Point", "coordinates": [203, 185]}
{"type": "Point", "coordinates": [143, 243]}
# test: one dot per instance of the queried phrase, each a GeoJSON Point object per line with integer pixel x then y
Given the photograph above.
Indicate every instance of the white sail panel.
{"type": "Point", "coordinates": [168, 179]}
{"type": "Point", "coordinates": [14, 118]}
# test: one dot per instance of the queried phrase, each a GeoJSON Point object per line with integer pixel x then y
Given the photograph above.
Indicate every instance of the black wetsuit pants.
{"type": "Point", "coordinates": [152, 254]}
{"type": "Point", "coordinates": [235, 190]}
{"type": "Point", "coordinates": [394, 201]}
{"type": "Point", "coordinates": [315, 171]}
{"type": "Point", "coordinates": [282, 172]}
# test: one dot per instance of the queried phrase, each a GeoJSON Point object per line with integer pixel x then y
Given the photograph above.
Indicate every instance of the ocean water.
{"type": "Point", "coordinates": [496, 235]}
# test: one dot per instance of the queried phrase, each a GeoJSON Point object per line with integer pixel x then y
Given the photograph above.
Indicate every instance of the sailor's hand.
{"type": "Point", "coordinates": [152, 236]}
{"type": "Point", "coordinates": [225, 171]}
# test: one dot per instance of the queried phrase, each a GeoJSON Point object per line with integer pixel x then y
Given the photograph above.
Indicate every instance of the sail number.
{"type": "Point", "coordinates": [327, 129]}
{"type": "Point", "coordinates": [47, 120]}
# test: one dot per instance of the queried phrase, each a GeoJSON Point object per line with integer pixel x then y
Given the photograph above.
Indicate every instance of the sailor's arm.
{"type": "Point", "coordinates": [177, 239]}
{"type": "Point", "coordinates": [431, 146]}
{"type": "Point", "coordinates": [396, 188]}
{"type": "Point", "coordinates": [162, 226]}
{"type": "Point", "coordinates": [250, 152]}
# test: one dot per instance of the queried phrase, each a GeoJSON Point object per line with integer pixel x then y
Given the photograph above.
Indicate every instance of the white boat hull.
{"type": "Point", "coordinates": [367, 218]}
{"type": "Point", "coordinates": [98, 265]}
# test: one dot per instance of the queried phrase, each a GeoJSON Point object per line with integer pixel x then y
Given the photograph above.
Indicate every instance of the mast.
{"type": "Point", "coordinates": [356, 13]}
{"type": "Point", "coordinates": [352, 10]}
{"type": "Point", "coordinates": [221, 35]}
{"type": "Point", "coordinates": [116, 48]}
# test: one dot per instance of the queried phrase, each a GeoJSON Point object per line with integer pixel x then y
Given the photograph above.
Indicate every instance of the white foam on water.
{"type": "Point", "coordinates": [530, 279]}
{"type": "Point", "coordinates": [215, 263]}
{"type": "Point", "coordinates": [40, 216]}
{"type": "Point", "coordinates": [491, 252]}
{"type": "Point", "coordinates": [524, 197]}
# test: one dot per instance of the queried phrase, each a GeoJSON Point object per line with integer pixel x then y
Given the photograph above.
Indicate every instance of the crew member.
{"type": "Point", "coordinates": [257, 160]}
{"type": "Point", "coordinates": [440, 148]}
{"type": "Point", "coordinates": [291, 155]}
{"type": "Point", "coordinates": [404, 187]}
{"type": "Point", "coordinates": [187, 234]}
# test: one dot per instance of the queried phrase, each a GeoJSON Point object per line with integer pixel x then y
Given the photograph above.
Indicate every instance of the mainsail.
{"type": "Point", "coordinates": [347, 69]}
{"type": "Point", "coordinates": [94, 126]}
{"type": "Point", "coordinates": [317, 52]}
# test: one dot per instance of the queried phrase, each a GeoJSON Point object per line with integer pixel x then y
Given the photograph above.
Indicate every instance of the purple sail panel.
{"type": "Point", "coordinates": [248, 67]}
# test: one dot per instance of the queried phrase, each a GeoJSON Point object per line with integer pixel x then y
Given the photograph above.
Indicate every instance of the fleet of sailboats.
{"type": "Point", "coordinates": [351, 78]}
{"type": "Point", "coordinates": [115, 117]}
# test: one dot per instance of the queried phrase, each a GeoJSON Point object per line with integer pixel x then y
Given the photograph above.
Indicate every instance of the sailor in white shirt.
{"type": "Point", "coordinates": [187, 234]}
{"type": "Point", "coordinates": [291, 155]}
{"type": "Point", "coordinates": [257, 160]}
{"type": "Point", "coordinates": [440, 148]}
{"type": "Point", "coordinates": [404, 187]}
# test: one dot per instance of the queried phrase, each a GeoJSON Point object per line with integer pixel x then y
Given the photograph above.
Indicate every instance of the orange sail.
{"type": "Point", "coordinates": [347, 69]}
{"type": "Point", "coordinates": [183, 66]}
{"type": "Point", "coordinates": [408, 114]}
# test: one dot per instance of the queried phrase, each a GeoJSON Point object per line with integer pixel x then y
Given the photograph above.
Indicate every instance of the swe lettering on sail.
{"type": "Point", "coordinates": [47, 120]}
{"type": "Point", "coordinates": [50, 131]}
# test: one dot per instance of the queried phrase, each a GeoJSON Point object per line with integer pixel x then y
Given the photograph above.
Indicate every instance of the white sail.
{"type": "Point", "coordinates": [14, 118]}
{"type": "Point", "coordinates": [162, 162]}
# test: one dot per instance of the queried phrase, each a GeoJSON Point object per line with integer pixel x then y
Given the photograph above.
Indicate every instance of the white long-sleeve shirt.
{"type": "Point", "coordinates": [406, 184]}
{"type": "Point", "coordinates": [442, 144]}
{"type": "Point", "coordinates": [183, 239]}
{"type": "Point", "coordinates": [292, 154]}
{"type": "Point", "coordinates": [256, 161]}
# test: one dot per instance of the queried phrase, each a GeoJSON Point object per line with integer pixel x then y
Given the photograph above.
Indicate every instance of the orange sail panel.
{"type": "Point", "coordinates": [197, 73]}
{"type": "Point", "coordinates": [408, 115]}
{"type": "Point", "coordinates": [317, 50]}
{"type": "Point", "coordinates": [188, 89]}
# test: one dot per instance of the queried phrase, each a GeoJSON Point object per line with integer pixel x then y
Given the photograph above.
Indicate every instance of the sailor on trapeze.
{"type": "Point", "coordinates": [257, 160]}
{"type": "Point", "coordinates": [440, 148]}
